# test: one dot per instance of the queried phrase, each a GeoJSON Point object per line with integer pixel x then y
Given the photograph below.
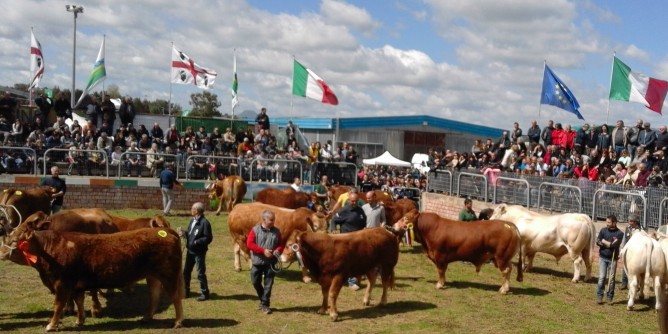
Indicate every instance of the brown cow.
{"type": "Point", "coordinates": [16, 205]}
{"type": "Point", "coordinates": [244, 216]}
{"type": "Point", "coordinates": [74, 262]}
{"type": "Point", "coordinates": [396, 210]}
{"type": "Point", "coordinates": [332, 258]}
{"type": "Point", "coordinates": [90, 221]}
{"type": "Point", "coordinates": [285, 198]}
{"type": "Point", "coordinates": [444, 241]}
{"type": "Point", "coordinates": [230, 192]}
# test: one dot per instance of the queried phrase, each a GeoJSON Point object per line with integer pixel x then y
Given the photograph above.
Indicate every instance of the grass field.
{"type": "Point", "coordinates": [546, 302]}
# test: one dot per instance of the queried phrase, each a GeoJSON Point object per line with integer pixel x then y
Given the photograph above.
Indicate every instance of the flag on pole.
{"type": "Point", "coordinates": [235, 84]}
{"type": "Point", "coordinates": [36, 61]}
{"type": "Point", "coordinates": [630, 86]}
{"type": "Point", "coordinates": [98, 74]}
{"type": "Point", "coordinates": [308, 84]}
{"type": "Point", "coordinates": [186, 71]}
{"type": "Point", "coordinates": [556, 93]}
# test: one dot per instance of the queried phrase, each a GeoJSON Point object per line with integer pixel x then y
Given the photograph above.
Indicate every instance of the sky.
{"type": "Point", "coordinates": [478, 62]}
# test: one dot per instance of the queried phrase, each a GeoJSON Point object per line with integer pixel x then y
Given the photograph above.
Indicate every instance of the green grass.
{"type": "Point", "coordinates": [546, 302]}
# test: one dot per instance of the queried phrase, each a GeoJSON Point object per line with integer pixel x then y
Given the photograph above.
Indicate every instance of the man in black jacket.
{"type": "Point", "coordinates": [198, 237]}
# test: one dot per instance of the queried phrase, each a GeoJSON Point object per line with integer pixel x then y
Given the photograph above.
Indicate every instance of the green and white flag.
{"type": "Point", "coordinates": [98, 74]}
{"type": "Point", "coordinates": [235, 84]}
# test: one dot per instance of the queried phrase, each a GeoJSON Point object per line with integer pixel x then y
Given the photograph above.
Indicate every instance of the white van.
{"type": "Point", "coordinates": [420, 162]}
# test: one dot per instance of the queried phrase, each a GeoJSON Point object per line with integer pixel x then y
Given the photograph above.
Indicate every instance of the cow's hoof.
{"type": "Point", "coordinates": [307, 280]}
{"type": "Point", "coordinates": [334, 317]}
{"type": "Point", "coordinates": [96, 313]}
{"type": "Point", "coordinates": [78, 324]}
{"type": "Point", "coordinates": [51, 328]}
{"type": "Point", "coordinates": [366, 302]}
{"type": "Point", "coordinates": [503, 291]}
{"type": "Point", "coordinates": [575, 280]}
{"type": "Point", "coordinates": [237, 269]}
{"type": "Point", "coordinates": [178, 324]}
{"type": "Point", "coordinates": [629, 308]}
{"type": "Point", "coordinates": [321, 311]}
{"type": "Point", "coordinates": [440, 286]}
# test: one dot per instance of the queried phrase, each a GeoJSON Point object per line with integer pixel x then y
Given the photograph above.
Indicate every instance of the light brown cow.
{"type": "Point", "coordinates": [230, 192]}
{"type": "Point", "coordinates": [71, 263]}
{"type": "Point", "coordinates": [332, 258]}
{"type": "Point", "coordinates": [444, 241]}
{"type": "Point", "coordinates": [246, 215]}
{"type": "Point", "coordinates": [285, 198]}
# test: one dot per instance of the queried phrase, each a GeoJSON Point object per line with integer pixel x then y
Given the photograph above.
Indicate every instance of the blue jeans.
{"type": "Point", "coordinates": [263, 292]}
{"type": "Point", "coordinates": [200, 261]}
{"type": "Point", "coordinates": [352, 280]}
{"type": "Point", "coordinates": [606, 267]}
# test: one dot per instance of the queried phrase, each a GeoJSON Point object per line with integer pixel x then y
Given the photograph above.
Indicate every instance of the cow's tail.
{"type": "Point", "coordinates": [648, 265]}
{"type": "Point", "coordinates": [592, 240]}
{"type": "Point", "coordinates": [520, 260]}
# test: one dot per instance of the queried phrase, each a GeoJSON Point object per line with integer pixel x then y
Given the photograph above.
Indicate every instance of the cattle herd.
{"type": "Point", "coordinates": [84, 250]}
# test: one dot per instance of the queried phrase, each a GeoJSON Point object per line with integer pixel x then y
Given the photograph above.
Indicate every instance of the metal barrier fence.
{"type": "Point", "coordinates": [18, 160]}
{"type": "Point", "coordinates": [273, 170]}
{"type": "Point", "coordinates": [343, 173]}
{"type": "Point", "coordinates": [203, 167]}
{"type": "Point", "coordinates": [138, 162]}
{"type": "Point", "coordinates": [72, 160]}
{"type": "Point", "coordinates": [557, 194]}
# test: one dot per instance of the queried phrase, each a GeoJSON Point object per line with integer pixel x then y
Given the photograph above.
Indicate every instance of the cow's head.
{"type": "Point", "coordinates": [499, 211]}
{"type": "Point", "coordinates": [215, 191]}
{"type": "Point", "coordinates": [318, 222]}
{"type": "Point", "coordinates": [20, 238]}
{"type": "Point", "coordinates": [292, 246]}
{"type": "Point", "coordinates": [406, 221]}
{"type": "Point", "coordinates": [159, 221]}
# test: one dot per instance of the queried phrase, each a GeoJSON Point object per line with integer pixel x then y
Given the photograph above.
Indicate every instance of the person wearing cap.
{"type": "Point", "coordinates": [634, 225]}
{"type": "Point", "coordinates": [647, 138]}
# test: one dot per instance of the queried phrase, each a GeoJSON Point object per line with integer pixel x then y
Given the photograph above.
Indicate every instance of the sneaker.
{"type": "Point", "coordinates": [265, 309]}
{"type": "Point", "coordinates": [354, 287]}
{"type": "Point", "coordinates": [599, 300]}
{"type": "Point", "coordinates": [610, 301]}
{"type": "Point", "coordinates": [202, 298]}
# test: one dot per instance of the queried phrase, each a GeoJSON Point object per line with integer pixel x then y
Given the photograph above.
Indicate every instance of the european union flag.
{"type": "Point", "coordinates": [557, 94]}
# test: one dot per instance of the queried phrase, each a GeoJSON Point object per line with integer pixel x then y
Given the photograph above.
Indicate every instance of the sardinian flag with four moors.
{"type": "Point", "coordinates": [185, 71]}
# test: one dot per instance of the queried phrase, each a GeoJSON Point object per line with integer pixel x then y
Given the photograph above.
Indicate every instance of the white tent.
{"type": "Point", "coordinates": [386, 159]}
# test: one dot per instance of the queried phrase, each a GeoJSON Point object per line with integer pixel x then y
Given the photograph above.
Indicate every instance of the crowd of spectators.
{"type": "Point", "coordinates": [628, 155]}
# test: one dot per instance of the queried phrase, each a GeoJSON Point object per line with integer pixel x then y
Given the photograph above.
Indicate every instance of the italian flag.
{"type": "Point", "coordinates": [630, 86]}
{"type": "Point", "coordinates": [308, 84]}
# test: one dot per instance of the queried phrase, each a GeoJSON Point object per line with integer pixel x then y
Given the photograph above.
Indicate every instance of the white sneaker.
{"type": "Point", "coordinates": [354, 287]}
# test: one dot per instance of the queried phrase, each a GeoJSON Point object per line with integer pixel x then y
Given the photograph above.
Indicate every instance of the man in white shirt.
{"type": "Point", "coordinates": [297, 185]}
{"type": "Point", "coordinates": [375, 213]}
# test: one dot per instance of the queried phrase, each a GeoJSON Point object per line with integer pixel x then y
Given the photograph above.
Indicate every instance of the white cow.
{"type": "Point", "coordinates": [645, 265]}
{"type": "Point", "coordinates": [570, 233]}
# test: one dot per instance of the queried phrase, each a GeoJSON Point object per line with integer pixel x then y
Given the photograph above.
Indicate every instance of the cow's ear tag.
{"type": "Point", "coordinates": [19, 192]}
{"type": "Point", "coordinates": [162, 233]}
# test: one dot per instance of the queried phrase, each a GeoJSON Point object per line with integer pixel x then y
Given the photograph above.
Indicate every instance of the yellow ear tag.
{"type": "Point", "coordinates": [507, 226]}
{"type": "Point", "coordinates": [18, 192]}
{"type": "Point", "coordinates": [162, 233]}
{"type": "Point", "coordinates": [4, 191]}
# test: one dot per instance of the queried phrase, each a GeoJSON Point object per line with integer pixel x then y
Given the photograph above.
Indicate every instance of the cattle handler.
{"type": "Point", "coordinates": [61, 188]}
{"type": "Point", "coordinates": [264, 243]}
{"type": "Point", "coordinates": [198, 237]}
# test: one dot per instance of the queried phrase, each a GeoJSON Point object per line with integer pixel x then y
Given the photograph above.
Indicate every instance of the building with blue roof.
{"type": "Point", "coordinates": [400, 135]}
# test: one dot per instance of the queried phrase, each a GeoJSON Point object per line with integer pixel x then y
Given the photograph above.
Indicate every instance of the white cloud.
{"type": "Point", "coordinates": [342, 13]}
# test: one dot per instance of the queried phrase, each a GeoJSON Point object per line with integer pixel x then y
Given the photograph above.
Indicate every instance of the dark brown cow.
{"type": "Point", "coordinates": [246, 215]}
{"type": "Point", "coordinates": [332, 258]}
{"type": "Point", "coordinates": [444, 241]}
{"type": "Point", "coordinates": [284, 198]}
{"type": "Point", "coordinates": [72, 263]}
{"type": "Point", "coordinates": [16, 205]}
{"type": "Point", "coordinates": [90, 221]}
{"type": "Point", "coordinates": [230, 192]}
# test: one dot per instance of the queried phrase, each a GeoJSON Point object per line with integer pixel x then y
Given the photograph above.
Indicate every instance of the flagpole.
{"type": "Point", "coordinates": [541, 98]}
{"type": "Point", "coordinates": [169, 103]}
{"type": "Point", "coordinates": [104, 39]}
{"type": "Point", "coordinates": [31, 74]}
{"type": "Point", "coordinates": [292, 96]}
{"type": "Point", "coordinates": [235, 98]}
{"type": "Point", "coordinates": [612, 70]}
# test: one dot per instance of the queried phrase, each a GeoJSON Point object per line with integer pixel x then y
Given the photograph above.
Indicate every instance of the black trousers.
{"type": "Point", "coordinates": [263, 292]}
{"type": "Point", "coordinates": [200, 260]}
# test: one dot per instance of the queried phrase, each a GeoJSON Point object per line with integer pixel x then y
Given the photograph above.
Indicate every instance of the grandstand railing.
{"type": "Point", "coordinates": [18, 160]}
{"type": "Point", "coordinates": [274, 170]}
{"type": "Point", "coordinates": [93, 162]}
{"type": "Point", "coordinates": [202, 167]}
{"type": "Point", "coordinates": [342, 173]}
{"type": "Point", "coordinates": [557, 194]}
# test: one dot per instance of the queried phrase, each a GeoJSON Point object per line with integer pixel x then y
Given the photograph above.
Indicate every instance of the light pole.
{"type": "Point", "coordinates": [76, 9]}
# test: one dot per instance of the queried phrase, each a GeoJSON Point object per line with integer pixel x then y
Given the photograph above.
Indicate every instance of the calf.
{"type": "Point", "coordinates": [645, 264]}
{"type": "Point", "coordinates": [74, 262]}
{"type": "Point", "coordinates": [332, 258]}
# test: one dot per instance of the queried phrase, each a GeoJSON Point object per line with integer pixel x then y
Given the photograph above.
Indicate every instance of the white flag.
{"type": "Point", "coordinates": [36, 61]}
{"type": "Point", "coordinates": [186, 71]}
